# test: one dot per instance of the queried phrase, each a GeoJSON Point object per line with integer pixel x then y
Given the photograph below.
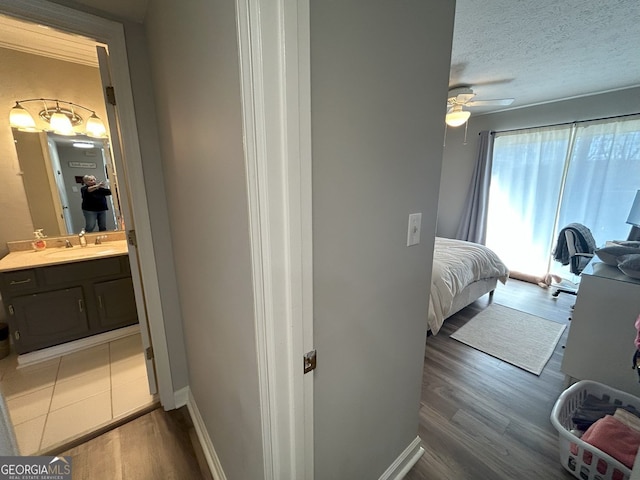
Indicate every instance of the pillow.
{"type": "Point", "coordinates": [609, 255]}
{"type": "Point", "coordinates": [630, 265]}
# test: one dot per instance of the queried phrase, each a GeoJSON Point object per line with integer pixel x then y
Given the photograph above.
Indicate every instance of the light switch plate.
{"type": "Point", "coordinates": [413, 233]}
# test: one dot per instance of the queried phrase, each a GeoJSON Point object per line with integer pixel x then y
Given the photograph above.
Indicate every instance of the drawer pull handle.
{"type": "Point", "coordinates": [19, 282]}
{"type": "Point", "coordinates": [80, 305]}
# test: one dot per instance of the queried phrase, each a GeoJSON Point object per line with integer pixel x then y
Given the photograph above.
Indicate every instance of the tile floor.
{"type": "Point", "coordinates": [55, 401]}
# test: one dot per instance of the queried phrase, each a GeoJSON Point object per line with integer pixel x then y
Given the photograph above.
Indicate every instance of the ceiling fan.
{"type": "Point", "coordinates": [462, 96]}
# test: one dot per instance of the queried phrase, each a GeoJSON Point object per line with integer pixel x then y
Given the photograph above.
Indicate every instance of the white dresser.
{"type": "Point", "coordinates": [600, 344]}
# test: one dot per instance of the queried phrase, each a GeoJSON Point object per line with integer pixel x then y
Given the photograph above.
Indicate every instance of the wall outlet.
{"type": "Point", "coordinates": [413, 233]}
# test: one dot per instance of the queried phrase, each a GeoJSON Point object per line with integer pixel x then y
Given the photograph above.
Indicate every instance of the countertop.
{"type": "Point", "coordinates": [59, 255]}
{"type": "Point", "coordinates": [597, 268]}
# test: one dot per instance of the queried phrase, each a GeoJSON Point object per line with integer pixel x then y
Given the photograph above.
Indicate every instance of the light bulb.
{"type": "Point", "coordinates": [95, 127]}
{"type": "Point", "coordinates": [457, 117]}
{"type": "Point", "coordinates": [21, 119]}
{"type": "Point", "coordinates": [61, 124]}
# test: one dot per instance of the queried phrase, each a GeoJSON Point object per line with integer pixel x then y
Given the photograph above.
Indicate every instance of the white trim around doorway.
{"type": "Point", "coordinates": [273, 40]}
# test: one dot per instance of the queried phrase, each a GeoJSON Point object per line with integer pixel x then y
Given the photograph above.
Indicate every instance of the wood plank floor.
{"type": "Point", "coordinates": [158, 445]}
{"type": "Point", "coordinates": [482, 418]}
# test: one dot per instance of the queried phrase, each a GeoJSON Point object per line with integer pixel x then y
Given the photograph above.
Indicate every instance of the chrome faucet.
{"type": "Point", "coordinates": [99, 239]}
{"type": "Point", "coordinates": [67, 244]}
{"type": "Point", "coordinates": [82, 239]}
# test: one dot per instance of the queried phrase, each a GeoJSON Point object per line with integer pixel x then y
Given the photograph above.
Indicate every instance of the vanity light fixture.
{"type": "Point", "coordinates": [62, 119]}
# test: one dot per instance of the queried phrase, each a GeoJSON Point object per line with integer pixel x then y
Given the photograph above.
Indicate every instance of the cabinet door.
{"type": "Point", "coordinates": [116, 303]}
{"type": "Point", "coordinates": [45, 319]}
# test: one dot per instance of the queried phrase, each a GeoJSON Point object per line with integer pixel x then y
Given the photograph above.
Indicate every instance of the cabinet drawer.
{"type": "Point", "coordinates": [19, 281]}
{"type": "Point", "coordinates": [79, 271]}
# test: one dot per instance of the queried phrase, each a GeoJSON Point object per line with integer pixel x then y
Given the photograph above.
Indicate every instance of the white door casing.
{"type": "Point", "coordinates": [56, 183]}
{"type": "Point", "coordinates": [274, 50]}
{"type": "Point", "coordinates": [124, 195]}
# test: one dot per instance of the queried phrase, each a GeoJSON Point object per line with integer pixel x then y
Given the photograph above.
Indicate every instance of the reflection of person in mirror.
{"type": "Point", "coordinates": [94, 203]}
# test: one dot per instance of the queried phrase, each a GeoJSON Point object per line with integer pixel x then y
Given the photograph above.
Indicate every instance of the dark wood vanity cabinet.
{"type": "Point", "coordinates": [49, 318]}
{"type": "Point", "coordinates": [116, 303]}
{"type": "Point", "coordinates": [50, 305]}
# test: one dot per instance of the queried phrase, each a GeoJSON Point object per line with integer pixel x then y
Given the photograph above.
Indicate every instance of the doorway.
{"type": "Point", "coordinates": [71, 159]}
{"type": "Point", "coordinates": [39, 383]}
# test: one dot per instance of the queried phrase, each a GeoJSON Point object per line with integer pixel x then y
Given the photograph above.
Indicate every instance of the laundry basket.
{"type": "Point", "coordinates": [581, 459]}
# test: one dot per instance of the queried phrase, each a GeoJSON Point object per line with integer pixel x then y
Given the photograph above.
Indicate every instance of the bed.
{"type": "Point", "coordinates": [462, 273]}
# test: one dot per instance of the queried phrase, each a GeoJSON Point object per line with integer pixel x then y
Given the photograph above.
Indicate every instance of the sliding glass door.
{"type": "Point", "coordinates": [545, 178]}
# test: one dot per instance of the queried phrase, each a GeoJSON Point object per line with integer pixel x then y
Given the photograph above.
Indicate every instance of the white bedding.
{"type": "Point", "coordinates": [457, 264]}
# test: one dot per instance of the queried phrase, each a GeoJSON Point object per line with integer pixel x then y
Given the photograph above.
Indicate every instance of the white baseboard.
{"type": "Point", "coordinates": [405, 461]}
{"type": "Point", "coordinates": [45, 354]}
{"type": "Point", "coordinates": [205, 441]}
{"type": "Point", "coordinates": [396, 471]}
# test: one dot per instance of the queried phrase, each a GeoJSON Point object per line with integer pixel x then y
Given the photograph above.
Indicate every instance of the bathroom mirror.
{"type": "Point", "coordinates": [52, 167]}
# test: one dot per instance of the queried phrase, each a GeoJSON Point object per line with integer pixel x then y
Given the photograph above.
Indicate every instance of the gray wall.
{"type": "Point", "coordinates": [459, 159]}
{"type": "Point", "coordinates": [379, 74]}
{"type": "Point", "coordinates": [194, 64]}
{"type": "Point", "coordinates": [379, 80]}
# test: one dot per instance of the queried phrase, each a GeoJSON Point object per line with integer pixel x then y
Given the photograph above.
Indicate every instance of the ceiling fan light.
{"type": "Point", "coordinates": [457, 118]}
{"type": "Point", "coordinates": [95, 127]}
{"type": "Point", "coordinates": [21, 119]}
{"type": "Point", "coordinates": [61, 124]}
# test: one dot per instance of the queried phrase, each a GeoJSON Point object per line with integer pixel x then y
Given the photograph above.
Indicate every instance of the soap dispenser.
{"type": "Point", "coordinates": [82, 238]}
{"type": "Point", "coordinates": [39, 243]}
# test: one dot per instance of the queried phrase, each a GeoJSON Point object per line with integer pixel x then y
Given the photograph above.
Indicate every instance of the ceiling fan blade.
{"type": "Point", "coordinates": [464, 98]}
{"type": "Point", "coordinates": [483, 103]}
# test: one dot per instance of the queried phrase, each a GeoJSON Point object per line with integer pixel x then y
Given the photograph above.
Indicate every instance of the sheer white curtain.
{"type": "Point", "coordinates": [545, 178]}
{"type": "Point", "coordinates": [526, 180]}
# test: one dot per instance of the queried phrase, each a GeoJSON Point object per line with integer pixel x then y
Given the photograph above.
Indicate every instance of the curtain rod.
{"type": "Point", "coordinates": [493, 132]}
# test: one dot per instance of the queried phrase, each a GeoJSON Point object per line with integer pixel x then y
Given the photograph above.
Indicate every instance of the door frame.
{"type": "Point", "coordinates": [142, 258]}
{"type": "Point", "coordinates": [274, 57]}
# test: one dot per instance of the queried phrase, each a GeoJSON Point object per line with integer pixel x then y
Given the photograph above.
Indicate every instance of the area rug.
{"type": "Point", "coordinates": [518, 338]}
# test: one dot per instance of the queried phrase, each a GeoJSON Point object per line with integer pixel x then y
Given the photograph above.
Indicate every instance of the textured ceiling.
{"type": "Point", "coordinates": [545, 50]}
{"type": "Point", "coordinates": [534, 51]}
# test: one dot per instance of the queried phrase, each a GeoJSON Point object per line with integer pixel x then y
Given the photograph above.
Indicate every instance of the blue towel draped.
{"type": "Point", "coordinates": [584, 243]}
